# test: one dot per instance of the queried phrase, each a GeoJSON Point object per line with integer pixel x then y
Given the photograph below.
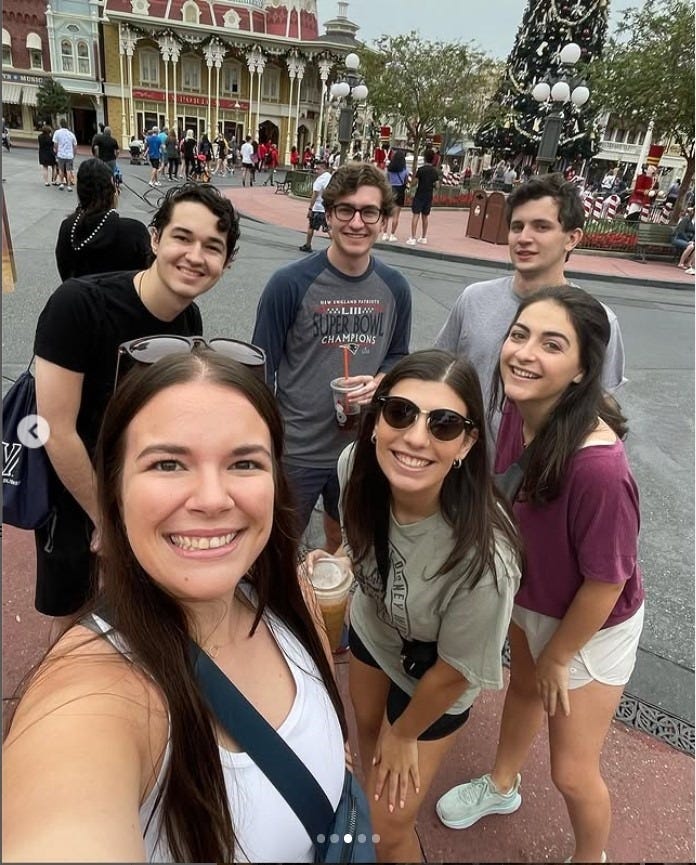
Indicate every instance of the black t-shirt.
{"type": "Point", "coordinates": [116, 243]}
{"type": "Point", "coordinates": [106, 147]}
{"type": "Point", "coordinates": [81, 327]}
{"type": "Point", "coordinates": [427, 176]}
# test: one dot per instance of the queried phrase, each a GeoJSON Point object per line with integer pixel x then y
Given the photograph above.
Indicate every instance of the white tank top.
{"type": "Point", "coordinates": [266, 828]}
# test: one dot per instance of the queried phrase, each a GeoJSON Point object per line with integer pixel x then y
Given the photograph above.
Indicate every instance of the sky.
{"type": "Point", "coordinates": [492, 25]}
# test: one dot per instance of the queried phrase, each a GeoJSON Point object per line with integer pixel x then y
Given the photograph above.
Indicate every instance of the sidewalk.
{"type": "Point", "coordinates": [652, 785]}
{"type": "Point", "coordinates": [447, 240]}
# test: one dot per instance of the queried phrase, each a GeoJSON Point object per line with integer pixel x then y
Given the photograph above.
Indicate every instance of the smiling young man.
{"type": "Point", "coordinates": [194, 235]}
{"type": "Point", "coordinates": [336, 308]}
{"type": "Point", "coordinates": [545, 218]}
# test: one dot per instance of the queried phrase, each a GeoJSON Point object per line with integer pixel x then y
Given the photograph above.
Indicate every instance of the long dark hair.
{"type": "Point", "coordinates": [398, 162]}
{"type": "Point", "coordinates": [197, 819]}
{"type": "Point", "coordinates": [575, 414]}
{"type": "Point", "coordinates": [468, 500]}
{"type": "Point", "coordinates": [95, 188]}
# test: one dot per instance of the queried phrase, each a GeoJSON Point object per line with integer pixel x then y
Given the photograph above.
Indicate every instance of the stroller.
{"type": "Point", "coordinates": [200, 173]}
{"type": "Point", "coordinates": [136, 152]}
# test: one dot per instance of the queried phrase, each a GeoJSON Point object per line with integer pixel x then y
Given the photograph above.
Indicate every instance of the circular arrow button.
{"type": "Point", "coordinates": [33, 431]}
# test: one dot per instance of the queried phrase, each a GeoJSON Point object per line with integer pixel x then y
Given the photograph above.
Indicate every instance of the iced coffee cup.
{"type": "Point", "coordinates": [332, 580]}
{"type": "Point", "coordinates": [347, 413]}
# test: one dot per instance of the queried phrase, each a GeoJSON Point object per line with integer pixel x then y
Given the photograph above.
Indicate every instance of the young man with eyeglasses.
{"type": "Point", "coordinates": [341, 303]}
{"type": "Point", "coordinates": [194, 236]}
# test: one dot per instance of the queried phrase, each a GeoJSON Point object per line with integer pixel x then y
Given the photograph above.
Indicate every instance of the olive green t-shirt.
{"type": "Point", "coordinates": [468, 624]}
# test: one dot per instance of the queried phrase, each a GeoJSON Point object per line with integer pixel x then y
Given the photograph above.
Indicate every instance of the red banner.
{"type": "Point", "coordinates": [188, 99]}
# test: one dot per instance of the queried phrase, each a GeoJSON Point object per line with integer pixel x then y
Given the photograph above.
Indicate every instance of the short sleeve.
{"type": "Point", "coordinates": [475, 623]}
{"type": "Point", "coordinates": [604, 516]}
{"type": "Point", "coordinates": [450, 334]}
{"type": "Point", "coordinates": [66, 326]}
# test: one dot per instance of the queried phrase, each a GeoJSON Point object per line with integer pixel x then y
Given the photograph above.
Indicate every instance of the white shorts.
{"type": "Point", "coordinates": [608, 657]}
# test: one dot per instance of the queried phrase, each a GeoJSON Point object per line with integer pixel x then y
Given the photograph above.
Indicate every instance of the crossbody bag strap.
{"type": "Point", "coordinates": [279, 763]}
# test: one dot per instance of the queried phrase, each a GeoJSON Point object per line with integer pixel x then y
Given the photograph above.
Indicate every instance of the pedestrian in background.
{"type": "Point", "coordinates": [397, 177]}
{"type": "Point", "coordinates": [316, 213]}
{"type": "Point", "coordinates": [153, 146]}
{"type": "Point", "coordinates": [247, 156]}
{"type": "Point", "coordinates": [427, 178]}
{"type": "Point", "coordinates": [173, 155]}
{"type": "Point", "coordinates": [95, 239]}
{"type": "Point", "coordinates": [65, 146]}
{"type": "Point", "coordinates": [47, 156]}
{"type": "Point", "coordinates": [578, 615]}
{"type": "Point", "coordinates": [105, 147]}
{"type": "Point", "coordinates": [189, 151]}
{"type": "Point", "coordinates": [221, 155]}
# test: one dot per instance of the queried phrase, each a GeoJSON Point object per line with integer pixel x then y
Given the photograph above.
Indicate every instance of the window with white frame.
{"type": "Point", "coordinates": [83, 62]}
{"type": "Point", "coordinates": [270, 83]}
{"type": "Point", "coordinates": [67, 60]}
{"type": "Point", "coordinates": [231, 19]}
{"type": "Point", "coordinates": [191, 74]}
{"type": "Point", "coordinates": [6, 48]}
{"type": "Point", "coordinates": [230, 78]}
{"type": "Point", "coordinates": [35, 59]}
{"type": "Point", "coordinates": [190, 12]}
{"type": "Point", "coordinates": [149, 67]}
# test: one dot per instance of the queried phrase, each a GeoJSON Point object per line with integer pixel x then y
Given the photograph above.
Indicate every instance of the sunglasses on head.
{"type": "Point", "coordinates": [444, 423]}
{"type": "Point", "coordinates": [150, 349]}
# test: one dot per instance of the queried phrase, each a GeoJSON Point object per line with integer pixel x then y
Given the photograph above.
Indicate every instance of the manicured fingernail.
{"type": "Point", "coordinates": [417, 789]}
{"type": "Point", "coordinates": [401, 803]}
{"type": "Point", "coordinates": [376, 798]}
{"type": "Point", "coordinates": [391, 809]}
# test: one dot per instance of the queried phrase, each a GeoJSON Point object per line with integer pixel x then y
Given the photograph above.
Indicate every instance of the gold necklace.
{"type": "Point", "coordinates": [214, 650]}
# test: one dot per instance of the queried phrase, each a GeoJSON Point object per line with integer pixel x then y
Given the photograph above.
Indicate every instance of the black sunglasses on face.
{"type": "Point", "coordinates": [443, 423]}
{"type": "Point", "coordinates": [150, 349]}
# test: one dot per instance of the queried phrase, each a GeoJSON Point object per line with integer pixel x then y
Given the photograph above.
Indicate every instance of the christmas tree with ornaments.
{"type": "Point", "coordinates": [516, 119]}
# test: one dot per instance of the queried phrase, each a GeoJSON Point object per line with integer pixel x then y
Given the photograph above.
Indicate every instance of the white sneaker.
{"type": "Point", "coordinates": [422, 240]}
{"type": "Point", "coordinates": [411, 241]}
{"type": "Point", "coordinates": [690, 271]}
{"type": "Point", "coordinates": [61, 186]}
{"type": "Point", "coordinates": [603, 858]}
{"type": "Point", "coordinates": [384, 236]}
{"type": "Point", "coordinates": [69, 188]}
{"type": "Point", "coordinates": [393, 238]}
{"type": "Point", "coordinates": [464, 805]}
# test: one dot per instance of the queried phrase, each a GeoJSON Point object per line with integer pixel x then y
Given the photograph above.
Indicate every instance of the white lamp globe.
{"type": "Point", "coordinates": [580, 95]}
{"type": "Point", "coordinates": [352, 61]}
{"type": "Point", "coordinates": [360, 92]}
{"type": "Point", "coordinates": [541, 91]}
{"type": "Point", "coordinates": [340, 89]}
{"type": "Point", "coordinates": [560, 92]}
{"type": "Point", "coordinates": [570, 53]}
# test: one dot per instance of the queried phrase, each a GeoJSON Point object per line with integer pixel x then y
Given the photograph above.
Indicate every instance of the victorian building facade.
{"type": "Point", "coordinates": [256, 67]}
{"type": "Point", "coordinates": [25, 61]}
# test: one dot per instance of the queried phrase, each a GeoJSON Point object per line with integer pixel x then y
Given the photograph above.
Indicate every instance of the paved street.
{"type": "Point", "coordinates": [654, 819]}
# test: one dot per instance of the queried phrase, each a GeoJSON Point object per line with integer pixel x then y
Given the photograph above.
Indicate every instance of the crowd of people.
{"type": "Point", "coordinates": [184, 472]}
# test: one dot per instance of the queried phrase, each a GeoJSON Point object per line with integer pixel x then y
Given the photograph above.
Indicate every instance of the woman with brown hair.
{"type": "Point", "coordinates": [113, 742]}
{"type": "Point", "coordinates": [47, 156]}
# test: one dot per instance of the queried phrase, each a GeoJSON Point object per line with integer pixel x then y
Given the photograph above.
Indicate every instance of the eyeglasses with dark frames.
{"type": "Point", "coordinates": [150, 349]}
{"type": "Point", "coordinates": [444, 423]}
{"type": "Point", "coordinates": [369, 215]}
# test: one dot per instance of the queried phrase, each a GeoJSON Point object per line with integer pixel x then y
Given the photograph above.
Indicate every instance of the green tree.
{"type": "Point", "coordinates": [430, 86]}
{"type": "Point", "coordinates": [52, 99]}
{"type": "Point", "coordinates": [647, 73]}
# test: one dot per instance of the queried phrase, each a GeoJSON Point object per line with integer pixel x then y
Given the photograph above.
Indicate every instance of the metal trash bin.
{"type": "Point", "coordinates": [495, 229]}
{"type": "Point", "coordinates": [477, 211]}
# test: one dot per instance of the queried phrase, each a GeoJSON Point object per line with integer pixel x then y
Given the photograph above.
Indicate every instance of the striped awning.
{"type": "Point", "coordinates": [29, 94]}
{"type": "Point", "coordinates": [11, 93]}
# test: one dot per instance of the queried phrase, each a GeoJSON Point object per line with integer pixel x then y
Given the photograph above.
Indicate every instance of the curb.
{"type": "Point", "coordinates": [505, 265]}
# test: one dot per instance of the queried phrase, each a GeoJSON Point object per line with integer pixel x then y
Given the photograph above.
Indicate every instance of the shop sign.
{"type": "Point", "coordinates": [22, 79]}
{"type": "Point", "coordinates": [186, 99]}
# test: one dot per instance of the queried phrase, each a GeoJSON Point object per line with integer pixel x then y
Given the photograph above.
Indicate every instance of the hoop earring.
{"type": "Point", "coordinates": [457, 464]}
{"type": "Point", "coordinates": [373, 437]}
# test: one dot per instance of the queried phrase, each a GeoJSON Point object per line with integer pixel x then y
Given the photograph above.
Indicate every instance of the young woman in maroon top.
{"type": "Point", "coordinates": [578, 614]}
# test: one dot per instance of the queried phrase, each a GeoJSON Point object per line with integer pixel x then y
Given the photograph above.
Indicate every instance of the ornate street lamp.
{"type": "Point", "coordinates": [350, 89]}
{"type": "Point", "coordinates": [554, 92]}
